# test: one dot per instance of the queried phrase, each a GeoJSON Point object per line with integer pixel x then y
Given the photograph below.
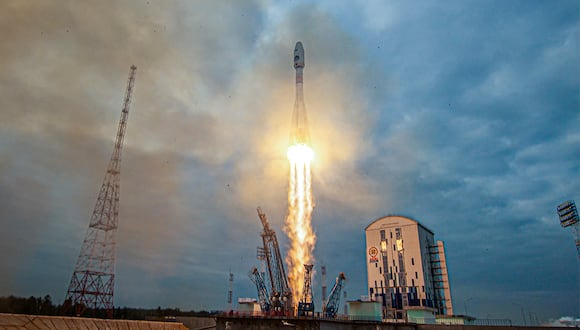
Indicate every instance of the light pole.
{"type": "Point", "coordinates": [523, 314]}
{"type": "Point", "coordinates": [465, 305]}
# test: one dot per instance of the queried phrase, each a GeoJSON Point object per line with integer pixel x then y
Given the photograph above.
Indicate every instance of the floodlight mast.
{"type": "Point", "coordinates": [569, 219]}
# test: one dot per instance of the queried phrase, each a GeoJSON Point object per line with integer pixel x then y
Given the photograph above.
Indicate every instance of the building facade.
{"type": "Point", "coordinates": [406, 268]}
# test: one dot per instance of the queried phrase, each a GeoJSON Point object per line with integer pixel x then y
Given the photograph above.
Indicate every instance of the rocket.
{"type": "Point", "coordinates": [299, 133]}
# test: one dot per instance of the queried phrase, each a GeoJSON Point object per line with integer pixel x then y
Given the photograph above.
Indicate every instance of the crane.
{"type": "Point", "coordinates": [333, 303]}
{"type": "Point", "coordinates": [281, 296]}
{"type": "Point", "coordinates": [263, 297]}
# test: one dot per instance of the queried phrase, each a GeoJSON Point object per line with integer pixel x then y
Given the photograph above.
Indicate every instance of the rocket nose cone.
{"type": "Point", "coordinates": [298, 55]}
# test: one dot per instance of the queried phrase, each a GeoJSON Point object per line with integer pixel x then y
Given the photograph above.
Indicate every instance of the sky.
{"type": "Point", "coordinates": [464, 115]}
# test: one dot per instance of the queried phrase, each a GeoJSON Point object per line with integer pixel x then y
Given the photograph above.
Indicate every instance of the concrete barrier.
{"type": "Point", "coordinates": [20, 321]}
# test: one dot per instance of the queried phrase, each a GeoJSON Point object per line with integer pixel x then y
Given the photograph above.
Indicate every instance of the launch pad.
{"type": "Point", "coordinates": [279, 294]}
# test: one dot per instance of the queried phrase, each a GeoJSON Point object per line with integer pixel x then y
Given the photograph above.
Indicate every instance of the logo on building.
{"type": "Point", "coordinates": [373, 253]}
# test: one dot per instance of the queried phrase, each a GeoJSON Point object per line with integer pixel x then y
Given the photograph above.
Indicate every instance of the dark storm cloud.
{"type": "Point", "coordinates": [483, 153]}
{"type": "Point", "coordinates": [463, 116]}
{"type": "Point", "coordinates": [205, 139]}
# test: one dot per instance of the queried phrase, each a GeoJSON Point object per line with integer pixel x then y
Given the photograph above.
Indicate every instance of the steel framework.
{"type": "Point", "coordinates": [306, 304]}
{"type": "Point", "coordinates": [281, 296]}
{"type": "Point", "coordinates": [333, 304]}
{"type": "Point", "coordinates": [93, 280]}
{"type": "Point", "coordinates": [263, 297]}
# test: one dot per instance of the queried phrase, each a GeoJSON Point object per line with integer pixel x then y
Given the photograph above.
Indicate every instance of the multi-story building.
{"type": "Point", "coordinates": [406, 268]}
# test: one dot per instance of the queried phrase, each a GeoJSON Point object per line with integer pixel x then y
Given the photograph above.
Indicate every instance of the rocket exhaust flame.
{"type": "Point", "coordinates": [298, 222]}
{"type": "Point", "coordinates": [300, 203]}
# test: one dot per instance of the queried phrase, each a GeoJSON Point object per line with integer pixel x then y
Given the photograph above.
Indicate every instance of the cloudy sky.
{"type": "Point", "coordinates": [464, 115]}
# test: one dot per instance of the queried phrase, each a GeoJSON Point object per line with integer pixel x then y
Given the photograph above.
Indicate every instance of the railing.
{"type": "Point", "coordinates": [503, 322]}
{"type": "Point", "coordinates": [487, 322]}
{"type": "Point", "coordinates": [316, 316]}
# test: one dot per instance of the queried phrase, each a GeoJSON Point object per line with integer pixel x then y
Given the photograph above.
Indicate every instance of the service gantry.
{"type": "Point", "coordinates": [280, 294]}
{"type": "Point", "coordinates": [306, 304]}
{"type": "Point", "coordinates": [263, 296]}
{"type": "Point", "coordinates": [333, 304]}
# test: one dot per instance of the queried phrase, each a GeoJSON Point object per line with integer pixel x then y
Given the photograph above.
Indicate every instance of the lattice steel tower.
{"type": "Point", "coordinates": [93, 281]}
{"type": "Point", "coordinates": [306, 304]}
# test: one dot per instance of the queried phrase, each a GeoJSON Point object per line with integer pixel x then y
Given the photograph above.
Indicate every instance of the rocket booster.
{"type": "Point", "coordinates": [299, 133]}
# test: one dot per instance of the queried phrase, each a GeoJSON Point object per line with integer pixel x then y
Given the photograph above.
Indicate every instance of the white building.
{"type": "Point", "coordinates": [406, 268]}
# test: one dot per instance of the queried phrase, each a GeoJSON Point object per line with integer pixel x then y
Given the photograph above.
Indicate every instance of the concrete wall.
{"type": "Point", "coordinates": [20, 321]}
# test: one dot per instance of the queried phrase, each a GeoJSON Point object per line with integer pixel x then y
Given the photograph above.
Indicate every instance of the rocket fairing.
{"type": "Point", "coordinates": [299, 133]}
{"type": "Point", "coordinates": [298, 55]}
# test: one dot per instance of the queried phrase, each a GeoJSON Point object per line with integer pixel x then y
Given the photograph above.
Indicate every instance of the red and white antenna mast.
{"type": "Point", "coordinates": [93, 281]}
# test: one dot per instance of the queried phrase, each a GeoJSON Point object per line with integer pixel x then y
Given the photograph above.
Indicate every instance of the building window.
{"type": "Point", "coordinates": [416, 275]}
{"type": "Point", "coordinates": [376, 265]}
{"type": "Point", "coordinates": [413, 261]}
{"type": "Point", "coordinates": [394, 247]}
{"type": "Point", "coordinates": [398, 233]}
{"type": "Point", "coordinates": [384, 246]}
{"type": "Point", "coordinates": [383, 236]}
{"type": "Point", "coordinates": [375, 284]}
{"type": "Point", "coordinates": [381, 283]}
{"type": "Point", "coordinates": [423, 288]}
{"type": "Point", "coordinates": [412, 282]}
{"type": "Point", "coordinates": [380, 270]}
{"type": "Point", "coordinates": [391, 234]}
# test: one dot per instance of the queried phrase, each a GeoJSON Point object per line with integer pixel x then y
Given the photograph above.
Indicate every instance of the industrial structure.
{"type": "Point", "coordinates": [263, 296]}
{"type": "Point", "coordinates": [306, 305]}
{"type": "Point", "coordinates": [333, 304]}
{"type": "Point", "coordinates": [277, 298]}
{"type": "Point", "coordinates": [93, 280]}
{"type": "Point", "coordinates": [280, 295]}
{"type": "Point", "coordinates": [569, 219]}
{"type": "Point", "coordinates": [406, 268]}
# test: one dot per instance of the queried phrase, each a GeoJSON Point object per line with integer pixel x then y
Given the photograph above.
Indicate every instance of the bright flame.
{"type": "Point", "coordinates": [298, 222]}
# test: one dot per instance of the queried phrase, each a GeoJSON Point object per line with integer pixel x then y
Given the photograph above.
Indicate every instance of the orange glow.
{"type": "Point", "coordinates": [298, 222]}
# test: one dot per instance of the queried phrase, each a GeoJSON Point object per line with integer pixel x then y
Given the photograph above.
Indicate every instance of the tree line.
{"type": "Point", "coordinates": [45, 306]}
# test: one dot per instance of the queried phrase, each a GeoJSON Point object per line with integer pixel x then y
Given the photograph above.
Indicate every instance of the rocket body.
{"type": "Point", "coordinates": [299, 133]}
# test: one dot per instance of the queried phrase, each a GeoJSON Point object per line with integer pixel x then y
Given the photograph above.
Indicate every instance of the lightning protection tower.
{"type": "Point", "coordinates": [92, 283]}
{"type": "Point", "coordinates": [230, 290]}
{"type": "Point", "coordinates": [323, 268]}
